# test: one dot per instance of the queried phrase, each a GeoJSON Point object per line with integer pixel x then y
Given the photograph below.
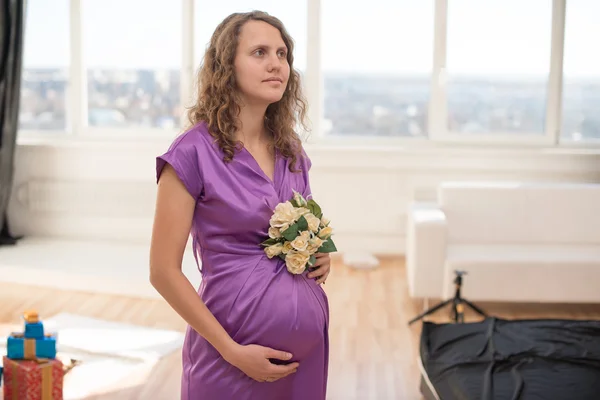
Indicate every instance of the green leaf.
{"type": "Point", "coordinates": [314, 208]}
{"type": "Point", "coordinates": [302, 223]}
{"type": "Point", "coordinates": [327, 247]}
{"type": "Point", "coordinates": [312, 260]}
{"type": "Point", "coordinates": [291, 232]}
{"type": "Point", "coordinates": [269, 242]}
{"type": "Point", "coordinates": [282, 256]}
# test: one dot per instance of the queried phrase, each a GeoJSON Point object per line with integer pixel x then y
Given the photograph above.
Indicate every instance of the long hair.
{"type": "Point", "coordinates": [217, 97]}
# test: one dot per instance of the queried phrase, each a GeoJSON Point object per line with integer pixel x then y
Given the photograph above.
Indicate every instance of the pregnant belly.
{"type": "Point", "coordinates": [270, 307]}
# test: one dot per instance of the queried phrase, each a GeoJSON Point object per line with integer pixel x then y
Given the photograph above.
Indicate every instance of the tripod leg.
{"type": "Point", "coordinates": [460, 312]}
{"type": "Point", "coordinates": [475, 308]}
{"type": "Point", "coordinates": [430, 311]}
{"type": "Point", "coordinates": [453, 313]}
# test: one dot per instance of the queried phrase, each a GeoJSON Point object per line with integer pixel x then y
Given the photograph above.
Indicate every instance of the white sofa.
{"type": "Point", "coordinates": [518, 242]}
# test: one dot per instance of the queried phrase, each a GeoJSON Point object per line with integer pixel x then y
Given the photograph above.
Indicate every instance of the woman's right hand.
{"type": "Point", "coordinates": [253, 360]}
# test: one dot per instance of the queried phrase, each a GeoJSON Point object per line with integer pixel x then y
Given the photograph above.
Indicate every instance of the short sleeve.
{"type": "Point", "coordinates": [184, 156]}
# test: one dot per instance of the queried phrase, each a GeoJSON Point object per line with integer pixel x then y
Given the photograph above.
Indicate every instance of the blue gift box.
{"type": "Point", "coordinates": [21, 348]}
{"type": "Point", "coordinates": [34, 330]}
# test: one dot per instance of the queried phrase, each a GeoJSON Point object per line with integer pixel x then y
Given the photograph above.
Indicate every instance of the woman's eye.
{"type": "Point", "coordinates": [282, 53]}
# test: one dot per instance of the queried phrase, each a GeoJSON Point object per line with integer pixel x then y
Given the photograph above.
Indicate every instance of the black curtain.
{"type": "Point", "coordinates": [11, 60]}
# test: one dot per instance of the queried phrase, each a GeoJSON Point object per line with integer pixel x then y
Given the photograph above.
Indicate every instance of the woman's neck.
{"type": "Point", "coordinates": [252, 130]}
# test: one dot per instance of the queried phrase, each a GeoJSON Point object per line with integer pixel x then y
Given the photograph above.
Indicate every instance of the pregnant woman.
{"type": "Point", "coordinates": [255, 330]}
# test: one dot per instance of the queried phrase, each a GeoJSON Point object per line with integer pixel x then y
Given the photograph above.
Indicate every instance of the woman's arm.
{"type": "Point", "coordinates": [172, 223]}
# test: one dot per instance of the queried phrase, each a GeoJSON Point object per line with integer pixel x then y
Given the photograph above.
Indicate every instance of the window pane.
{"type": "Point", "coordinates": [132, 51]}
{"type": "Point", "coordinates": [581, 93]}
{"type": "Point", "coordinates": [208, 14]}
{"type": "Point", "coordinates": [377, 63]}
{"type": "Point", "coordinates": [498, 60]}
{"type": "Point", "coordinates": [45, 65]}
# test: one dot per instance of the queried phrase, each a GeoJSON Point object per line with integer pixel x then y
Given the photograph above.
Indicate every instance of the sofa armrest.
{"type": "Point", "coordinates": [426, 240]}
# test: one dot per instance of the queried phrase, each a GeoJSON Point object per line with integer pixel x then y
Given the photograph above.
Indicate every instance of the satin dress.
{"type": "Point", "coordinates": [254, 298]}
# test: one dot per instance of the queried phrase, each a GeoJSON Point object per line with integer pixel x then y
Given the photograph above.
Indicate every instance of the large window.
{"type": "Point", "coordinates": [498, 60]}
{"type": "Point", "coordinates": [45, 73]}
{"type": "Point", "coordinates": [132, 54]}
{"type": "Point", "coordinates": [471, 71]}
{"type": "Point", "coordinates": [581, 89]}
{"type": "Point", "coordinates": [376, 62]}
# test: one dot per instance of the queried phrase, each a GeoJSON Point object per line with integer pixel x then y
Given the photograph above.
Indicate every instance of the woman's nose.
{"type": "Point", "coordinates": [274, 63]}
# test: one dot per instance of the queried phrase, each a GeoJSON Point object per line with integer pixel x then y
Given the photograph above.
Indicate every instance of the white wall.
{"type": "Point", "coordinates": [105, 190]}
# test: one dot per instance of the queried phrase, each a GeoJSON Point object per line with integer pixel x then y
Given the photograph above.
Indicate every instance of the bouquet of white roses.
{"type": "Point", "coordinates": [297, 231]}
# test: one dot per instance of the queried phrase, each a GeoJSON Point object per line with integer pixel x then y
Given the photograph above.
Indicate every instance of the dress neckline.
{"type": "Point", "coordinates": [262, 172]}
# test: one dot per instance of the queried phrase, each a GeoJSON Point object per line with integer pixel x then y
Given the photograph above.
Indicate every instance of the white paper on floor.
{"type": "Point", "coordinates": [360, 260]}
{"type": "Point", "coordinates": [77, 333]}
{"type": "Point", "coordinates": [95, 375]}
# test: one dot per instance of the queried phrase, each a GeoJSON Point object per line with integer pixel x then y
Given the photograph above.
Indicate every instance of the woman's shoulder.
{"type": "Point", "coordinates": [190, 150]}
{"type": "Point", "coordinates": [196, 136]}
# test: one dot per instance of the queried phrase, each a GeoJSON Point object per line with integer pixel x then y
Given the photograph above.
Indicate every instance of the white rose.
{"type": "Point", "coordinates": [314, 244]}
{"type": "Point", "coordinates": [284, 214]}
{"type": "Point", "coordinates": [274, 250]}
{"type": "Point", "coordinates": [300, 211]}
{"type": "Point", "coordinates": [296, 262]}
{"type": "Point", "coordinates": [325, 221]}
{"type": "Point", "coordinates": [274, 233]}
{"type": "Point", "coordinates": [301, 241]}
{"type": "Point", "coordinates": [325, 233]}
{"type": "Point", "coordinates": [313, 222]}
{"type": "Point", "coordinates": [287, 247]}
{"type": "Point", "coordinates": [283, 228]}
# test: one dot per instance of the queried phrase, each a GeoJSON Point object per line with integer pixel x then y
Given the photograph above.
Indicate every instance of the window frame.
{"type": "Point", "coordinates": [437, 130]}
{"type": "Point", "coordinates": [77, 99]}
{"type": "Point", "coordinates": [439, 106]}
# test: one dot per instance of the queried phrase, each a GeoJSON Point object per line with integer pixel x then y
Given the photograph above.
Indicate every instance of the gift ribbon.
{"type": "Point", "coordinates": [31, 316]}
{"type": "Point", "coordinates": [29, 349]}
{"type": "Point", "coordinates": [46, 381]}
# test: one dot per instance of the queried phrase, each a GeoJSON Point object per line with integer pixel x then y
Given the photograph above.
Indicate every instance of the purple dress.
{"type": "Point", "coordinates": [255, 298]}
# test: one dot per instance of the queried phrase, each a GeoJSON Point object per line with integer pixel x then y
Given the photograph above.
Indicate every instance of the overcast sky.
{"type": "Point", "coordinates": [387, 36]}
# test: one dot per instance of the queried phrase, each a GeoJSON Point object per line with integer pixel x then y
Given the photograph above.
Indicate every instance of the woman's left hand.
{"type": "Point", "coordinates": [323, 267]}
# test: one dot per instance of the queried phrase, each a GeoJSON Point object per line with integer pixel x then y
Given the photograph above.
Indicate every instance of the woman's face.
{"type": "Point", "coordinates": [261, 66]}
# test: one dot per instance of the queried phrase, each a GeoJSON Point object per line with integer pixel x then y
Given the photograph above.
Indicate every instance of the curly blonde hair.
{"type": "Point", "coordinates": [217, 98]}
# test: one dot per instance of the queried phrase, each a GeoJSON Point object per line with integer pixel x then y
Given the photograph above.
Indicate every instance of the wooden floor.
{"type": "Point", "coordinates": [373, 351]}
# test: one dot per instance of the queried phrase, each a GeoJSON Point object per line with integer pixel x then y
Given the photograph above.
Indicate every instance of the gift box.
{"type": "Point", "coordinates": [34, 330]}
{"type": "Point", "coordinates": [19, 347]}
{"type": "Point", "coordinates": [40, 379]}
